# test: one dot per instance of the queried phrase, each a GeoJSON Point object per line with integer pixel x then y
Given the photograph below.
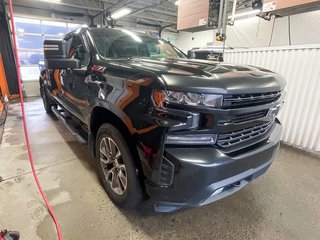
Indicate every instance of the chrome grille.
{"type": "Point", "coordinates": [247, 100]}
{"type": "Point", "coordinates": [246, 134]}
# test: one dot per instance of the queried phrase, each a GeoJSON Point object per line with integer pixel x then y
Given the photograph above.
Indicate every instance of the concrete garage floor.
{"type": "Point", "coordinates": [282, 204]}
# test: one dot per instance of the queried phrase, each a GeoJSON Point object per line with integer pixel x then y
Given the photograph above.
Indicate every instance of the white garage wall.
{"type": "Point", "coordinates": [300, 67]}
{"type": "Point", "coordinates": [256, 32]}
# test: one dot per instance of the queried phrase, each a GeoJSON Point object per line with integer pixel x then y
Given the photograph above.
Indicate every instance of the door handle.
{"type": "Point", "coordinates": [95, 82]}
{"type": "Point", "coordinates": [92, 79]}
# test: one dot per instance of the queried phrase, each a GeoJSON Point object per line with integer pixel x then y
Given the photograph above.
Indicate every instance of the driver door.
{"type": "Point", "coordinates": [73, 80]}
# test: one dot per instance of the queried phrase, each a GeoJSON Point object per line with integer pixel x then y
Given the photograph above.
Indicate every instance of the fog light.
{"type": "Point", "coordinates": [191, 139]}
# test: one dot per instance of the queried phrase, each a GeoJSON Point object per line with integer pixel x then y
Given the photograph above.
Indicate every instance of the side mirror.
{"type": "Point", "coordinates": [55, 55]}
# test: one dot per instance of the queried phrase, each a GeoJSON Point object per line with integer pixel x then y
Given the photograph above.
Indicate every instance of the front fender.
{"type": "Point", "coordinates": [131, 103]}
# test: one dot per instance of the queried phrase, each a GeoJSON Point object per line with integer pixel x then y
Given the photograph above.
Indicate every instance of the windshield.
{"type": "Point", "coordinates": [116, 43]}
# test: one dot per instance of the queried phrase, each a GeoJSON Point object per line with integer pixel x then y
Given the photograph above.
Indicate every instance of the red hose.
{"type": "Point", "coordinates": [25, 127]}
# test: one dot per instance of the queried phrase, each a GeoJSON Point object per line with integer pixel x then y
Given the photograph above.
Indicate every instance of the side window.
{"type": "Point", "coordinates": [77, 50]}
{"type": "Point", "coordinates": [105, 46]}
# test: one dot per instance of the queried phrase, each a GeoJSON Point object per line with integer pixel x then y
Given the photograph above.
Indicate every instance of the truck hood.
{"type": "Point", "coordinates": [202, 76]}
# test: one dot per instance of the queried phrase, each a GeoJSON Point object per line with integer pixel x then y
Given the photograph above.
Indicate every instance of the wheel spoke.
{"type": "Point", "coordinates": [123, 180]}
{"type": "Point", "coordinates": [111, 145]}
{"type": "Point", "coordinates": [105, 157]}
{"type": "Point", "coordinates": [118, 155]}
{"type": "Point", "coordinates": [104, 161]}
{"type": "Point", "coordinates": [113, 175]}
{"type": "Point", "coordinates": [109, 174]}
{"type": "Point", "coordinates": [103, 149]}
{"type": "Point", "coordinates": [122, 167]}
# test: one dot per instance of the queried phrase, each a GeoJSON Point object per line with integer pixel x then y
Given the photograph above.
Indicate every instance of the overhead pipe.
{"type": "Point", "coordinates": [220, 16]}
{"type": "Point", "coordinates": [224, 21]}
{"type": "Point", "coordinates": [234, 7]}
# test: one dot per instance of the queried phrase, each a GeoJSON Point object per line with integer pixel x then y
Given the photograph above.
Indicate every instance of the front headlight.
{"type": "Point", "coordinates": [192, 99]}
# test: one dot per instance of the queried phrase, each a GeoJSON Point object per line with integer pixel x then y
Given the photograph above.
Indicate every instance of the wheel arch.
{"type": "Point", "coordinates": [100, 115]}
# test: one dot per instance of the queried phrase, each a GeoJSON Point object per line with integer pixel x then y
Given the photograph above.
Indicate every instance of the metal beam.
{"type": "Point", "coordinates": [153, 18]}
{"type": "Point", "coordinates": [118, 6]}
{"type": "Point", "coordinates": [142, 9]}
{"type": "Point", "coordinates": [26, 4]}
{"type": "Point", "coordinates": [168, 12]}
{"type": "Point", "coordinates": [137, 15]}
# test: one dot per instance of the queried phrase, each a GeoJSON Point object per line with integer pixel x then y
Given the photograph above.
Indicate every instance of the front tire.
{"type": "Point", "coordinates": [117, 171]}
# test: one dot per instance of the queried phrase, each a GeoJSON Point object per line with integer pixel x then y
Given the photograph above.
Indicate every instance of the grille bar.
{"type": "Point", "coordinates": [236, 137]}
{"type": "Point", "coordinates": [246, 100]}
{"type": "Point", "coordinates": [244, 117]}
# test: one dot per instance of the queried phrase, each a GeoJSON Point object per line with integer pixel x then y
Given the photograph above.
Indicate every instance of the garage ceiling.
{"type": "Point", "coordinates": [152, 12]}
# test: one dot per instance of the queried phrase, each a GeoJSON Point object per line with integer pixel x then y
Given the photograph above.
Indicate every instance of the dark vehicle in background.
{"type": "Point", "coordinates": [183, 132]}
{"type": "Point", "coordinates": [214, 53]}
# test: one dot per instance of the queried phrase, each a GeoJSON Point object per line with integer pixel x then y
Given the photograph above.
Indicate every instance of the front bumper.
{"type": "Point", "coordinates": [203, 175]}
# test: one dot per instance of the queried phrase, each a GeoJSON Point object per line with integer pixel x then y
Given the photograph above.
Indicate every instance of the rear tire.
{"type": "Point", "coordinates": [117, 171]}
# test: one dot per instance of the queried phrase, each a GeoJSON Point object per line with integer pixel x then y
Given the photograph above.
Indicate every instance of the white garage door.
{"type": "Point", "coordinates": [300, 66]}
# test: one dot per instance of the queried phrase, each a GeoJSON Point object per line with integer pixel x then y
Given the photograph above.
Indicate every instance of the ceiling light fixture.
{"type": "Point", "coordinates": [56, 24]}
{"type": "Point", "coordinates": [120, 13]}
{"type": "Point", "coordinates": [176, 3]}
{"type": "Point", "coordinates": [243, 14]}
{"type": "Point", "coordinates": [51, 1]}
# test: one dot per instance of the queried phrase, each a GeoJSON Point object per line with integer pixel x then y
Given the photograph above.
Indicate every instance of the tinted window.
{"type": "Point", "coordinates": [116, 43]}
{"type": "Point", "coordinates": [77, 50]}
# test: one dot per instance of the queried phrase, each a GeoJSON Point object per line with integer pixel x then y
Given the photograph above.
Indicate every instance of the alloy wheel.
{"type": "Point", "coordinates": [113, 166]}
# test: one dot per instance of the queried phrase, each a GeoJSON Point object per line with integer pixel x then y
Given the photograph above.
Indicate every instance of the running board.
{"type": "Point", "coordinates": [74, 132]}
